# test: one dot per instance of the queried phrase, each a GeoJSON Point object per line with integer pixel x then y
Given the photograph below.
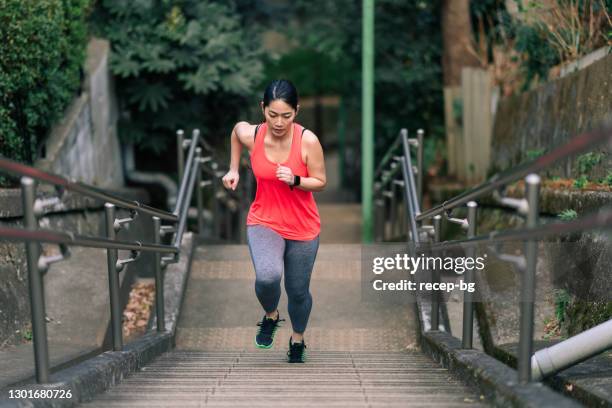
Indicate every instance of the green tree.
{"type": "Point", "coordinates": [42, 52]}
{"type": "Point", "coordinates": [408, 76]}
{"type": "Point", "coordinates": [179, 64]}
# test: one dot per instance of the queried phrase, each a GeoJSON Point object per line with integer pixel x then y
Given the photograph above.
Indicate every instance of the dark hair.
{"type": "Point", "coordinates": [283, 90]}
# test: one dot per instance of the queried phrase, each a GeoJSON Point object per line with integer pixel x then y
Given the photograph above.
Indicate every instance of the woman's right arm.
{"type": "Point", "coordinates": [237, 139]}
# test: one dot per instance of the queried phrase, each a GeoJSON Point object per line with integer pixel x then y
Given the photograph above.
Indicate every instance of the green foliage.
{"type": "Point", "coordinates": [179, 64]}
{"type": "Point", "coordinates": [408, 47]}
{"type": "Point", "coordinates": [581, 181]}
{"type": "Point", "coordinates": [568, 215]}
{"type": "Point", "coordinates": [581, 315]}
{"type": "Point", "coordinates": [562, 299]}
{"type": "Point", "coordinates": [43, 49]}
{"type": "Point", "coordinates": [608, 179]}
{"type": "Point", "coordinates": [534, 154]}
{"type": "Point", "coordinates": [27, 335]}
{"type": "Point", "coordinates": [587, 161]}
{"type": "Point", "coordinates": [311, 71]}
{"type": "Point", "coordinates": [540, 57]}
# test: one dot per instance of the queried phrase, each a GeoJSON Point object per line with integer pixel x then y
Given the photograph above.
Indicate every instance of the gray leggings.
{"type": "Point", "coordinates": [273, 254]}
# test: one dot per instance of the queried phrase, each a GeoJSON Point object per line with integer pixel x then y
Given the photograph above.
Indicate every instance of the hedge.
{"type": "Point", "coordinates": [41, 57]}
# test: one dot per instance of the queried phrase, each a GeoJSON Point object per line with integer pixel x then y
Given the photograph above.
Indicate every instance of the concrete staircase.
{"type": "Point", "coordinates": [361, 353]}
{"type": "Point", "coordinates": [264, 379]}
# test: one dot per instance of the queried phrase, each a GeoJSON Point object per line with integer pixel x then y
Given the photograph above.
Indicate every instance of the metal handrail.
{"type": "Point", "coordinates": [575, 146]}
{"type": "Point", "coordinates": [601, 219]}
{"type": "Point", "coordinates": [184, 181]}
{"type": "Point", "coordinates": [21, 170]}
{"type": "Point", "coordinates": [530, 366]}
{"type": "Point", "coordinates": [53, 237]}
{"type": "Point", "coordinates": [388, 155]}
{"type": "Point", "coordinates": [190, 181]}
{"type": "Point", "coordinates": [190, 174]}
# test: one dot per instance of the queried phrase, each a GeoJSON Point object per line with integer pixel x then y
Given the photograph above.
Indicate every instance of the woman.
{"type": "Point", "coordinates": [283, 223]}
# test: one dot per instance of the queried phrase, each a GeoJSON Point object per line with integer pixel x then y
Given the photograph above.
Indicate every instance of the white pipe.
{"type": "Point", "coordinates": [572, 351]}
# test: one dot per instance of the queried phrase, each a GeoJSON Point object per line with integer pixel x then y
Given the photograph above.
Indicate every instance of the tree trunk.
{"type": "Point", "coordinates": [457, 39]}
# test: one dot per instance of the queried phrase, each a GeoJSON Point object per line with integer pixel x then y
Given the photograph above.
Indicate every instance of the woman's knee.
{"type": "Point", "coordinates": [268, 279]}
{"type": "Point", "coordinates": [299, 296]}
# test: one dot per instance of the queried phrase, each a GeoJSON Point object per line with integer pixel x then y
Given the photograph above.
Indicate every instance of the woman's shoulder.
{"type": "Point", "coordinates": [309, 137]}
{"type": "Point", "coordinates": [245, 129]}
{"type": "Point", "coordinates": [246, 132]}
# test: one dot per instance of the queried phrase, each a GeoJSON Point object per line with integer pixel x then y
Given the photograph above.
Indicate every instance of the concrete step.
{"type": "Point", "coordinates": [263, 378]}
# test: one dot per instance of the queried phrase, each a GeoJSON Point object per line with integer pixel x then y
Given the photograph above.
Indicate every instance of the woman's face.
{"type": "Point", "coordinates": [279, 117]}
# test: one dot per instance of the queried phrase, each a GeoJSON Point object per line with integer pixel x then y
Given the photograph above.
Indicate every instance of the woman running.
{"type": "Point", "coordinates": [283, 223]}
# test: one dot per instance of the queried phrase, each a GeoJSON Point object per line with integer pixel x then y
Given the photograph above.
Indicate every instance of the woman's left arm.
{"type": "Point", "coordinates": [315, 162]}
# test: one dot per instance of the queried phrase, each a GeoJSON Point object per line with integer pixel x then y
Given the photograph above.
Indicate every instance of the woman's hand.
{"type": "Point", "coordinates": [284, 174]}
{"type": "Point", "coordinates": [230, 180]}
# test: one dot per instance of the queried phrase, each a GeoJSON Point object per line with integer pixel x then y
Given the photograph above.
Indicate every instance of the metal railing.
{"type": "Point", "coordinates": [389, 181]}
{"type": "Point", "coordinates": [190, 171]}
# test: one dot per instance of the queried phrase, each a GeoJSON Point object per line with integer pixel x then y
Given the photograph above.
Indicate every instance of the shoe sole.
{"type": "Point", "coordinates": [298, 362]}
{"type": "Point", "coordinates": [263, 346]}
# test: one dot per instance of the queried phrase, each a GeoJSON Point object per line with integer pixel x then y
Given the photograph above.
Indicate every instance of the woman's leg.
{"type": "Point", "coordinates": [266, 248]}
{"type": "Point", "coordinates": [299, 261]}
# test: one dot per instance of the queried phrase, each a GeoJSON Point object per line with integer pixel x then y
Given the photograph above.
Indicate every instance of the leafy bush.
{"type": "Point", "coordinates": [534, 154]}
{"type": "Point", "coordinates": [581, 181]}
{"type": "Point", "coordinates": [179, 64]}
{"type": "Point", "coordinates": [568, 215]}
{"type": "Point", "coordinates": [561, 31]}
{"type": "Point", "coordinates": [43, 49]}
{"type": "Point", "coordinates": [408, 48]}
{"type": "Point", "coordinates": [587, 161]}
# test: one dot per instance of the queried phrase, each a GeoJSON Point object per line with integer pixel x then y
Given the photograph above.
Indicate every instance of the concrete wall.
{"type": "Point", "coordinates": [84, 145]}
{"type": "Point", "coordinates": [551, 114]}
{"type": "Point", "coordinates": [67, 283]}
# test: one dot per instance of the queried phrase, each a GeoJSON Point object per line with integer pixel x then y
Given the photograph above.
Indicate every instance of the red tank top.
{"type": "Point", "coordinates": [293, 214]}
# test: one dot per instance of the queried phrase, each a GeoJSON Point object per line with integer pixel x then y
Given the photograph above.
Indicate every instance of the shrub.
{"type": "Point", "coordinates": [568, 215]}
{"type": "Point", "coordinates": [581, 182]}
{"type": "Point", "coordinates": [43, 49]}
{"type": "Point", "coordinates": [587, 161]}
{"type": "Point", "coordinates": [178, 64]}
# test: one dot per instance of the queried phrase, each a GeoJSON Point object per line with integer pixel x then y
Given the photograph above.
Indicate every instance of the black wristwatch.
{"type": "Point", "coordinates": [296, 182]}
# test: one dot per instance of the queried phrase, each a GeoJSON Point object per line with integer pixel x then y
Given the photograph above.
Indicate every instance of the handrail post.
{"type": "Point", "coordinates": [113, 280]}
{"type": "Point", "coordinates": [180, 154]}
{"type": "Point", "coordinates": [228, 220]}
{"type": "Point", "coordinates": [435, 304]}
{"type": "Point", "coordinates": [198, 192]}
{"type": "Point", "coordinates": [159, 279]}
{"type": "Point", "coordinates": [243, 205]}
{"type": "Point", "coordinates": [216, 208]}
{"type": "Point", "coordinates": [420, 138]}
{"type": "Point", "coordinates": [468, 304]}
{"type": "Point", "coordinates": [393, 210]}
{"type": "Point", "coordinates": [532, 183]}
{"type": "Point", "coordinates": [36, 284]}
{"type": "Point", "coordinates": [379, 221]}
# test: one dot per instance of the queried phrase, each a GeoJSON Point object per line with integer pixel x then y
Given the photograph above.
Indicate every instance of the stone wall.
{"type": "Point", "coordinates": [550, 115]}
{"type": "Point", "coordinates": [540, 120]}
{"type": "Point", "coordinates": [84, 145]}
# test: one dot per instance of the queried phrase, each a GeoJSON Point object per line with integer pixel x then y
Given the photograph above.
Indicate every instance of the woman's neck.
{"type": "Point", "coordinates": [280, 139]}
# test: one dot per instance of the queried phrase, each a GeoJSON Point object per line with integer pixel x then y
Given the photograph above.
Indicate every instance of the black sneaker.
{"type": "Point", "coordinates": [265, 336]}
{"type": "Point", "coordinates": [297, 352]}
